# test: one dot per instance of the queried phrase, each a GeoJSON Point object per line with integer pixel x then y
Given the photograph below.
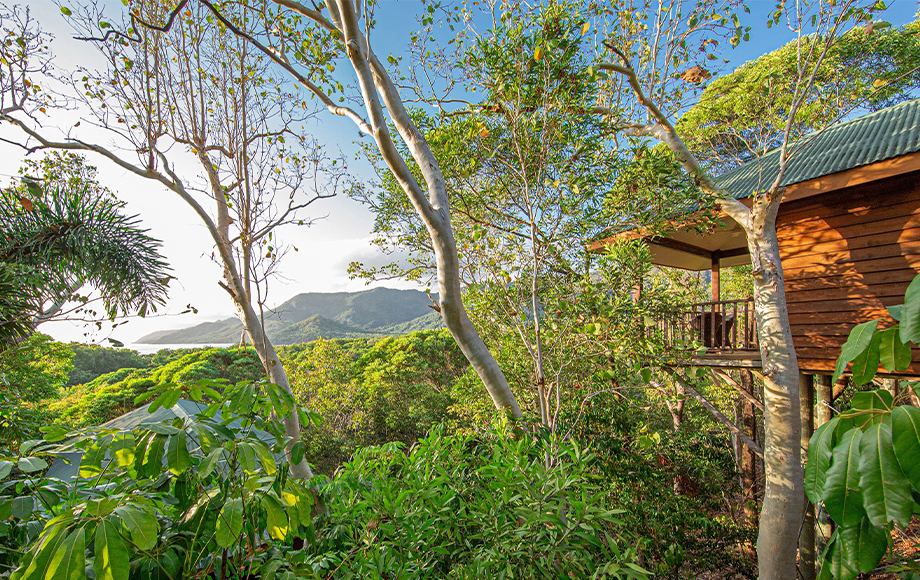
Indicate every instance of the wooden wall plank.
{"type": "Point", "coordinates": [846, 255]}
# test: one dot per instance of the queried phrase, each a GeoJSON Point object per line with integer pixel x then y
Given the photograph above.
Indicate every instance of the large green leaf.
{"type": "Point", "coordinates": [865, 365]}
{"type": "Point", "coordinates": [112, 561]}
{"type": "Point", "coordinates": [208, 464]}
{"type": "Point", "coordinates": [153, 458]}
{"type": "Point", "coordinates": [863, 545]}
{"type": "Point", "coordinates": [177, 455]}
{"type": "Point", "coordinates": [833, 565]}
{"type": "Point", "coordinates": [266, 458]}
{"type": "Point", "coordinates": [31, 464]}
{"type": "Point", "coordinates": [69, 562]}
{"type": "Point", "coordinates": [247, 456]}
{"type": "Point", "coordinates": [842, 496]}
{"type": "Point", "coordinates": [893, 354]}
{"type": "Point", "coordinates": [905, 422]}
{"type": "Point", "coordinates": [94, 456]}
{"type": "Point", "coordinates": [859, 339]}
{"type": "Point", "coordinates": [885, 489]}
{"type": "Point", "coordinates": [278, 525]}
{"type": "Point", "coordinates": [122, 449]}
{"type": "Point", "coordinates": [22, 506]}
{"type": "Point", "coordinates": [910, 313]}
{"type": "Point", "coordinates": [820, 453]}
{"type": "Point", "coordinates": [142, 525]}
{"type": "Point", "coordinates": [37, 567]}
{"type": "Point", "coordinates": [229, 523]}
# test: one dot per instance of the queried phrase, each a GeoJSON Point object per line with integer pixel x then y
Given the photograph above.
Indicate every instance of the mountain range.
{"type": "Point", "coordinates": [309, 316]}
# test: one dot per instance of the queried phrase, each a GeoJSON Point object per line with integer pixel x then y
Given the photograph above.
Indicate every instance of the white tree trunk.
{"type": "Point", "coordinates": [781, 514]}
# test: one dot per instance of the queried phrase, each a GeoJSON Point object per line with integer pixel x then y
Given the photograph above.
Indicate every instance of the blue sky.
{"type": "Point", "coordinates": [327, 247]}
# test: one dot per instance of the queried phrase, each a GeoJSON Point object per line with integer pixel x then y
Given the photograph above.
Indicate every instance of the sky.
{"type": "Point", "coordinates": [325, 248]}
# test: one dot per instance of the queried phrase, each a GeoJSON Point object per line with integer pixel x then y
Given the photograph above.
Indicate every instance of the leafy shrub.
{"type": "Point", "coordinates": [113, 394]}
{"type": "Point", "coordinates": [395, 390]}
{"type": "Point", "coordinates": [91, 361]}
{"type": "Point", "coordinates": [680, 533]}
{"type": "Point", "coordinates": [471, 507]}
{"type": "Point", "coordinates": [206, 496]}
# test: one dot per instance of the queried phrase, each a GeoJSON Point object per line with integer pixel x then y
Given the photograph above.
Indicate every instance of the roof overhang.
{"type": "Point", "coordinates": [691, 248]}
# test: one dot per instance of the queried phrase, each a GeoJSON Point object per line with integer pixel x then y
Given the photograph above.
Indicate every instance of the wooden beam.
{"type": "Point", "coordinates": [753, 446]}
{"type": "Point", "coordinates": [679, 246]}
{"type": "Point", "coordinates": [854, 176]}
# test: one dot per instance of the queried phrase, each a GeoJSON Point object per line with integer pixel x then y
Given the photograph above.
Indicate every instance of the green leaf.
{"type": "Point", "coordinates": [879, 400]}
{"type": "Point", "coordinates": [865, 365]}
{"type": "Point", "coordinates": [153, 458]}
{"type": "Point", "coordinates": [820, 453]}
{"type": "Point", "coordinates": [859, 339]}
{"type": "Point", "coordinates": [65, 11]}
{"type": "Point", "coordinates": [277, 524]}
{"type": "Point", "coordinates": [247, 456]}
{"type": "Point", "coordinates": [69, 562]}
{"type": "Point", "coordinates": [229, 523]}
{"type": "Point", "coordinates": [863, 545]}
{"type": "Point", "coordinates": [905, 428]}
{"type": "Point", "coordinates": [22, 507]}
{"type": "Point", "coordinates": [297, 452]}
{"type": "Point", "coordinates": [142, 525]}
{"type": "Point", "coordinates": [112, 561]}
{"type": "Point", "coordinates": [266, 458]}
{"type": "Point", "coordinates": [910, 313]}
{"type": "Point", "coordinates": [122, 448]}
{"type": "Point", "coordinates": [893, 354]}
{"type": "Point", "coordinates": [834, 567]}
{"type": "Point", "coordinates": [31, 464]}
{"type": "Point", "coordinates": [208, 464]}
{"type": "Point", "coordinates": [885, 489]}
{"type": "Point", "coordinates": [177, 455]}
{"type": "Point", "coordinates": [50, 544]}
{"type": "Point", "coordinates": [895, 311]}
{"type": "Point", "coordinates": [91, 462]}
{"type": "Point", "coordinates": [843, 499]}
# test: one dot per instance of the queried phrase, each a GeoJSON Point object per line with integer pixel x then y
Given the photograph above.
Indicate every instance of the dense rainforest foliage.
{"type": "Point", "coordinates": [545, 410]}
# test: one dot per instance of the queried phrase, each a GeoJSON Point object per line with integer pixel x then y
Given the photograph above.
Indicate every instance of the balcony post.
{"type": "Point", "coordinates": [715, 276]}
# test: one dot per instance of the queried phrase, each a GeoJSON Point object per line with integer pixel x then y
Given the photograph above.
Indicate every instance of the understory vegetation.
{"type": "Point", "coordinates": [389, 430]}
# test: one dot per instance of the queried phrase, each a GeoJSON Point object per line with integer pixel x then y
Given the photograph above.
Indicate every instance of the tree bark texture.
{"type": "Point", "coordinates": [824, 396]}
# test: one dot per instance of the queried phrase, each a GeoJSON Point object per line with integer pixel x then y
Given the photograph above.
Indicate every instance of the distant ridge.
{"type": "Point", "coordinates": [308, 316]}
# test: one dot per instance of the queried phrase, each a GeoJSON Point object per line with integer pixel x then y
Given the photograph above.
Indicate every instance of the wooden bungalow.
{"type": "Point", "coordinates": [849, 234]}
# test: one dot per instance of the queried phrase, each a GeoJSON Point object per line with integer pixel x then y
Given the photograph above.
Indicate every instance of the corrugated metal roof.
{"type": "Point", "coordinates": [881, 135]}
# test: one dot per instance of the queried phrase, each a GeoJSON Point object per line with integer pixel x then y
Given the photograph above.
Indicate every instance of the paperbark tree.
{"type": "Point", "coordinates": [783, 503]}
{"type": "Point", "coordinates": [199, 87]}
{"type": "Point", "coordinates": [524, 205]}
{"type": "Point", "coordinates": [305, 41]}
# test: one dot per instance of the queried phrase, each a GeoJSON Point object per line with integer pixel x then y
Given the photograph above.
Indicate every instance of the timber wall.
{"type": "Point", "coordinates": [847, 255]}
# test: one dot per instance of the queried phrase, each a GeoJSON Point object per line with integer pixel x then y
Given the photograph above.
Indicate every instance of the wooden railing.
{"type": "Point", "coordinates": [718, 326]}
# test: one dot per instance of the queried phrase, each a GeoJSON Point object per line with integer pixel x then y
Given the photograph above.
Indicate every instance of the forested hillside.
{"type": "Point", "coordinates": [309, 316]}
